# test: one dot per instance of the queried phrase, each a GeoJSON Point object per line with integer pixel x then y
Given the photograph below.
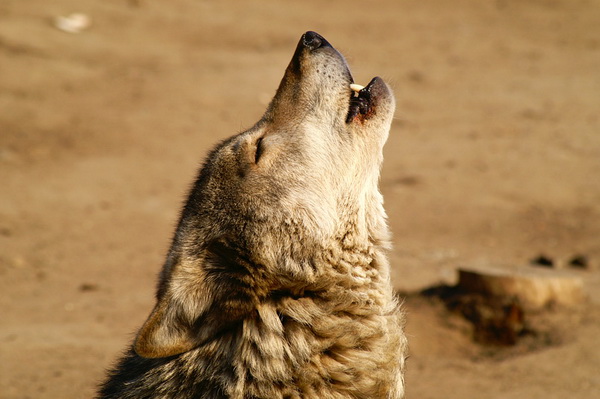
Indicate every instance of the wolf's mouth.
{"type": "Point", "coordinates": [362, 102]}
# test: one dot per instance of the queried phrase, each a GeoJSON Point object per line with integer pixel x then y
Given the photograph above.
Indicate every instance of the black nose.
{"type": "Point", "coordinates": [312, 40]}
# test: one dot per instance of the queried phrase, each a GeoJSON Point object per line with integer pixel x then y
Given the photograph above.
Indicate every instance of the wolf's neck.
{"type": "Point", "coordinates": [323, 334]}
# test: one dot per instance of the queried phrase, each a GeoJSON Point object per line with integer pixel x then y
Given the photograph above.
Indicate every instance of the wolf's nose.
{"type": "Point", "coordinates": [312, 40]}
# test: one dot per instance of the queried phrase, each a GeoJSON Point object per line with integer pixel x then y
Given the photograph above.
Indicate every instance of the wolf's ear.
{"type": "Point", "coordinates": [162, 337]}
{"type": "Point", "coordinates": [172, 327]}
{"type": "Point", "coordinates": [199, 297]}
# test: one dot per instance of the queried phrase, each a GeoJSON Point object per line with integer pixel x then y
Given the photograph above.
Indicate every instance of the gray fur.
{"type": "Point", "coordinates": [277, 282]}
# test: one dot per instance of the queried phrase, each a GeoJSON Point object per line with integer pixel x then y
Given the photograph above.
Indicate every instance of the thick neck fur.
{"type": "Point", "coordinates": [325, 328]}
{"type": "Point", "coordinates": [333, 334]}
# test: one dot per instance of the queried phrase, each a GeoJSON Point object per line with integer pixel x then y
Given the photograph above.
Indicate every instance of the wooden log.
{"type": "Point", "coordinates": [533, 287]}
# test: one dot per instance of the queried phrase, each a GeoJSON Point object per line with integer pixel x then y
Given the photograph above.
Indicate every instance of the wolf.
{"type": "Point", "coordinates": [277, 284]}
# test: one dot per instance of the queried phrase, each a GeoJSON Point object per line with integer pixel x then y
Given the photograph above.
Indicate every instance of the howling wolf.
{"type": "Point", "coordinates": [277, 284]}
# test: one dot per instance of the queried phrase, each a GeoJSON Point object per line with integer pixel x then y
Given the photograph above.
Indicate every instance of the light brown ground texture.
{"type": "Point", "coordinates": [494, 157]}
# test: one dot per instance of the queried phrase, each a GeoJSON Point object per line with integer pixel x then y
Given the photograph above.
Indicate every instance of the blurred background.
{"type": "Point", "coordinates": [493, 159]}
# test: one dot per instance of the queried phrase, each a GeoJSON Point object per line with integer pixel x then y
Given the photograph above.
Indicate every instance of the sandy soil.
{"type": "Point", "coordinates": [494, 157]}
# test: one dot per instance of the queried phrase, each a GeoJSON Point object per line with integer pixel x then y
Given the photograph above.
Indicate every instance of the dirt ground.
{"type": "Point", "coordinates": [494, 157]}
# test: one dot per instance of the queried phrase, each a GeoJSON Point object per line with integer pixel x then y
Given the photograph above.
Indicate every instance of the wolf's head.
{"type": "Point", "coordinates": [271, 199]}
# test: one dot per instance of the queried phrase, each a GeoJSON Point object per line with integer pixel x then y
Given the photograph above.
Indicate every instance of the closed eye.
{"type": "Point", "coordinates": [259, 150]}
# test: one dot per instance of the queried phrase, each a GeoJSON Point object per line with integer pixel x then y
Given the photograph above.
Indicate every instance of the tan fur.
{"type": "Point", "coordinates": [277, 283]}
